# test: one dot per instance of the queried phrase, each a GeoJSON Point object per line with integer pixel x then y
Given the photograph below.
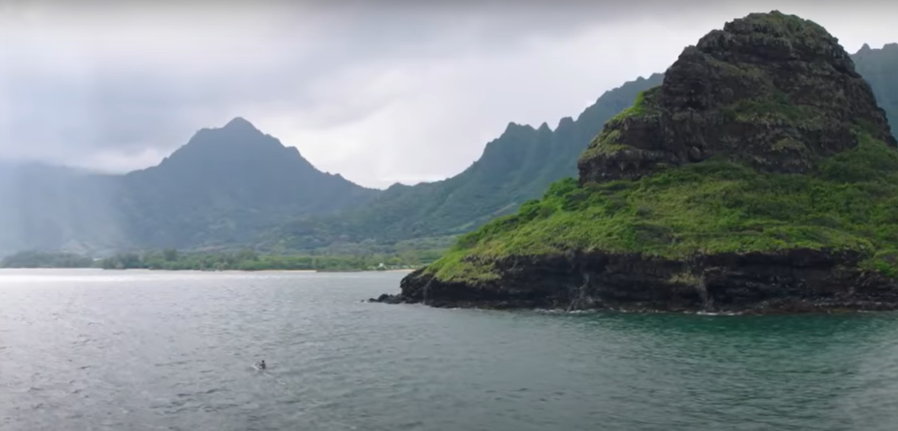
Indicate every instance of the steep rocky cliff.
{"type": "Point", "coordinates": [761, 175]}
{"type": "Point", "coordinates": [770, 90]}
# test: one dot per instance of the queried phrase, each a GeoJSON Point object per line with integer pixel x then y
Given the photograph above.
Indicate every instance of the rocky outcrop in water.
{"type": "Point", "coordinates": [791, 281]}
{"type": "Point", "coordinates": [759, 177]}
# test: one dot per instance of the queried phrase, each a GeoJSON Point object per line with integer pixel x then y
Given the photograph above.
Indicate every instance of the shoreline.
{"type": "Point", "coordinates": [803, 308]}
{"type": "Point", "coordinates": [788, 281]}
{"type": "Point", "coordinates": [308, 271]}
{"type": "Point", "coordinates": [784, 308]}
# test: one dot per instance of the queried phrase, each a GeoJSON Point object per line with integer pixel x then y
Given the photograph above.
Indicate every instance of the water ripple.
{"type": "Point", "coordinates": [174, 351]}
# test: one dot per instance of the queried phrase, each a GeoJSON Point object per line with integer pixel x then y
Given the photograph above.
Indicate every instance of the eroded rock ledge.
{"type": "Point", "coordinates": [798, 280]}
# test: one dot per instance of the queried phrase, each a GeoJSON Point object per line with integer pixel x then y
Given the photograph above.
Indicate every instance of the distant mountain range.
{"type": "Point", "coordinates": [236, 187]}
{"type": "Point", "coordinates": [223, 188]}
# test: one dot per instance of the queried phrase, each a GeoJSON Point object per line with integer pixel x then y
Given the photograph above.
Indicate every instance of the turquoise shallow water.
{"type": "Point", "coordinates": [93, 350]}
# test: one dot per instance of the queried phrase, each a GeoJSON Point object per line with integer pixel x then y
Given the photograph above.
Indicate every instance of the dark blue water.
{"type": "Point", "coordinates": [92, 350]}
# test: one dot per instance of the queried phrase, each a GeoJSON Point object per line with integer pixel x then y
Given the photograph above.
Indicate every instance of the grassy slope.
{"type": "Point", "coordinates": [850, 201]}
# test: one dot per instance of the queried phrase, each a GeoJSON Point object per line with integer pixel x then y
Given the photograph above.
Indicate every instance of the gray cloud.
{"type": "Point", "coordinates": [378, 91]}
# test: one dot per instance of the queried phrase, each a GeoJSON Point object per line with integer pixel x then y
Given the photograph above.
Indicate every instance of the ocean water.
{"type": "Point", "coordinates": [95, 350]}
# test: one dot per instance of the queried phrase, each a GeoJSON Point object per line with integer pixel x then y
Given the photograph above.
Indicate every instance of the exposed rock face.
{"type": "Point", "coordinates": [788, 281]}
{"type": "Point", "coordinates": [772, 90]}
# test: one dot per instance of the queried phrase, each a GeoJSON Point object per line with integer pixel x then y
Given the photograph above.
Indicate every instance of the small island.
{"type": "Point", "coordinates": [760, 176]}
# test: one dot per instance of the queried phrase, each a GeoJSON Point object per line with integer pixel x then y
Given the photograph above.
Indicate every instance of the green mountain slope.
{"type": "Point", "coordinates": [222, 188]}
{"type": "Point", "coordinates": [225, 186]}
{"type": "Point", "coordinates": [515, 167]}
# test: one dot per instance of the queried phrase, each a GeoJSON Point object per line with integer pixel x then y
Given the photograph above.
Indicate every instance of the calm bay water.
{"type": "Point", "coordinates": [93, 350]}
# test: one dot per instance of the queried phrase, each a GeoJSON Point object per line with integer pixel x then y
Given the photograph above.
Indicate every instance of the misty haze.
{"type": "Point", "coordinates": [504, 216]}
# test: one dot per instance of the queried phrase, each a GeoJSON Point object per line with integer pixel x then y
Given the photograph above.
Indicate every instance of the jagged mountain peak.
{"type": "Point", "coordinates": [773, 90]}
{"type": "Point", "coordinates": [239, 123]}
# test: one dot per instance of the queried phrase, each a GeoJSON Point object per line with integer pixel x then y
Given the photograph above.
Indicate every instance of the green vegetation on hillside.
{"type": "Point", "coordinates": [849, 201]}
{"type": "Point", "coordinates": [246, 260]}
{"type": "Point", "coordinates": [514, 168]}
{"type": "Point", "coordinates": [224, 187]}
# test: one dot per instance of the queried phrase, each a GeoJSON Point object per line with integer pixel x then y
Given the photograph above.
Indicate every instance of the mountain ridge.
{"type": "Point", "coordinates": [460, 203]}
{"type": "Point", "coordinates": [533, 157]}
{"type": "Point", "coordinates": [352, 227]}
{"type": "Point", "coordinates": [221, 188]}
{"type": "Point", "coordinates": [234, 173]}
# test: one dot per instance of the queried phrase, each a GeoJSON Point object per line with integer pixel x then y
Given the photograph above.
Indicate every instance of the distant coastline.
{"type": "Point", "coordinates": [243, 261]}
{"type": "Point", "coordinates": [298, 271]}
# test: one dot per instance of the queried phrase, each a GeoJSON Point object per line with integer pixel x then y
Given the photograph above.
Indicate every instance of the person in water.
{"type": "Point", "coordinates": [261, 364]}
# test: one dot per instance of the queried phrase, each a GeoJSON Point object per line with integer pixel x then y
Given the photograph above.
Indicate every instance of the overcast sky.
{"type": "Point", "coordinates": [392, 91]}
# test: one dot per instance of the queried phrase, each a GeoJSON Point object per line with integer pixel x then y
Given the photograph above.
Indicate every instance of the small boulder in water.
{"type": "Point", "coordinates": [388, 299]}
